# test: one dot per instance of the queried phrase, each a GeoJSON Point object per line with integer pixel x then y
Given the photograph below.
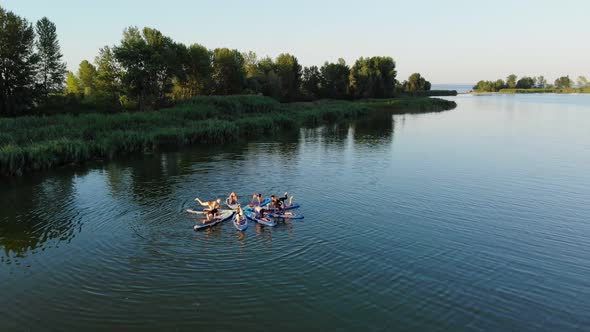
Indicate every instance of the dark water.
{"type": "Point", "coordinates": [471, 219]}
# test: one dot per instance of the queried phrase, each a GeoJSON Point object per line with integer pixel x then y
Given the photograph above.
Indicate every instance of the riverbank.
{"type": "Point", "coordinates": [41, 142]}
{"type": "Point", "coordinates": [546, 90]}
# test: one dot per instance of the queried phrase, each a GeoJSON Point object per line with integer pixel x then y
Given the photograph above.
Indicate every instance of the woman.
{"type": "Point", "coordinates": [283, 199]}
{"type": "Point", "coordinates": [240, 215]}
{"type": "Point", "coordinates": [275, 203]}
{"type": "Point", "coordinates": [211, 207]}
{"type": "Point", "coordinates": [233, 198]}
{"type": "Point", "coordinates": [256, 200]}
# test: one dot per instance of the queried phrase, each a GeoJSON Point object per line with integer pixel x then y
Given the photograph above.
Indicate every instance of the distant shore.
{"type": "Point", "coordinates": [534, 90]}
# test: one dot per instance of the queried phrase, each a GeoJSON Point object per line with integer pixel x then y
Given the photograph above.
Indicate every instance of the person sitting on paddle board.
{"type": "Point", "coordinates": [209, 205]}
{"type": "Point", "coordinates": [212, 207]}
{"type": "Point", "coordinates": [233, 198]}
{"type": "Point", "coordinates": [278, 203]}
{"type": "Point", "coordinates": [284, 198]}
{"type": "Point", "coordinates": [240, 214]}
{"type": "Point", "coordinates": [256, 200]}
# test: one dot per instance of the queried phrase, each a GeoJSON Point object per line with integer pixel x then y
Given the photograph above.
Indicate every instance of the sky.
{"type": "Point", "coordinates": [448, 42]}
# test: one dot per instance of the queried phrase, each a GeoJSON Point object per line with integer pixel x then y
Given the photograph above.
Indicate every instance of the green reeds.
{"type": "Point", "coordinates": [39, 142]}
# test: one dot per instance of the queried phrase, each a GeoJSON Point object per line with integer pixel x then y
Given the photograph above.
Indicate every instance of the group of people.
{"type": "Point", "coordinates": [277, 204]}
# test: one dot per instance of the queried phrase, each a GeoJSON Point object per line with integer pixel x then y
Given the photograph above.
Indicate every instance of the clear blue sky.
{"type": "Point", "coordinates": [448, 41]}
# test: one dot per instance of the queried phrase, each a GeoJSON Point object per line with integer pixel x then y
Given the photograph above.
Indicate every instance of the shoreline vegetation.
{"type": "Point", "coordinates": [149, 91]}
{"type": "Point", "coordinates": [32, 143]}
{"type": "Point", "coordinates": [526, 84]}
{"type": "Point", "coordinates": [148, 70]}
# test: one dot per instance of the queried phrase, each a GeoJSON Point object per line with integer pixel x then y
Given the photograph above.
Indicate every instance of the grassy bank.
{"type": "Point", "coordinates": [546, 90]}
{"type": "Point", "coordinates": [41, 142]}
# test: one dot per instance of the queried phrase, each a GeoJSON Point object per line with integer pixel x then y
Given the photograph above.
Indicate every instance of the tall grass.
{"type": "Point", "coordinates": [40, 142]}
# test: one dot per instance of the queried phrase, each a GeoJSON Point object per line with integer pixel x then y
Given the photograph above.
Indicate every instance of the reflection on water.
{"type": "Point", "coordinates": [473, 219]}
{"type": "Point", "coordinates": [44, 213]}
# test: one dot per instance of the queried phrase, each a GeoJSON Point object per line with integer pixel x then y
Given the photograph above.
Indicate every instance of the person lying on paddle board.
{"type": "Point", "coordinates": [233, 198]}
{"type": "Point", "coordinates": [259, 212]}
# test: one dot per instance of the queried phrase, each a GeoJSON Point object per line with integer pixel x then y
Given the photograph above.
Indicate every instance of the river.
{"type": "Point", "coordinates": [466, 220]}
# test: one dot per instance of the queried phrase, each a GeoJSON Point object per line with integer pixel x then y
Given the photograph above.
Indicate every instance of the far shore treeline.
{"type": "Point", "coordinates": [526, 84]}
{"type": "Point", "coordinates": [148, 70]}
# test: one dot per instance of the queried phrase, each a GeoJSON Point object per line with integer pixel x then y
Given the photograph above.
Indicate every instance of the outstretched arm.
{"type": "Point", "coordinates": [203, 204]}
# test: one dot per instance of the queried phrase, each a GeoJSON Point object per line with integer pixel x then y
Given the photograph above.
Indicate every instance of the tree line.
{"type": "Point", "coordinates": [149, 70]}
{"type": "Point", "coordinates": [30, 62]}
{"type": "Point", "coordinates": [526, 82]}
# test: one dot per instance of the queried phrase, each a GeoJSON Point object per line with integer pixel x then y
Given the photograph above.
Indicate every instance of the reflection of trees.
{"type": "Point", "coordinates": [36, 212]}
{"type": "Point", "coordinates": [379, 126]}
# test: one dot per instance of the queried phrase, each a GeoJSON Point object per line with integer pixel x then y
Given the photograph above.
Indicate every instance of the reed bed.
{"type": "Point", "coordinates": [40, 142]}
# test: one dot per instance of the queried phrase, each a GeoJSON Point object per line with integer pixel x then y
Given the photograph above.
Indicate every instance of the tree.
{"type": "Point", "coordinates": [583, 82]}
{"type": "Point", "coordinates": [373, 77]}
{"type": "Point", "coordinates": [72, 84]}
{"type": "Point", "coordinates": [511, 81]}
{"type": "Point", "coordinates": [17, 63]}
{"type": "Point", "coordinates": [108, 76]}
{"type": "Point", "coordinates": [417, 83]}
{"type": "Point", "coordinates": [335, 80]}
{"type": "Point", "coordinates": [269, 81]}
{"type": "Point", "coordinates": [250, 63]}
{"type": "Point", "coordinates": [289, 71]}
{"type": "Point", "coordinates": [525, 83]}
{"type": "Point", "coordinates": [52, 69]}
{"type": "Point", "coordinates": [563, 82]}
{"type": "Point", "coordinates": [194, 77]}
{"type": "Point", "coordinates": [228, 74]}
{"type": "Point", "coordinates": [87, 77]}
{"type": "Point", "coordinates": [149, 61]}
{"type": "Point", "coordinates": [541, 82]}
{"type": "Point", "coordinates": [311, 82]}
{"type": "Point", "coordinates": [498, 85]}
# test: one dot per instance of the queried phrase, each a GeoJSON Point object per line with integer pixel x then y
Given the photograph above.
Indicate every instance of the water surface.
{"type": "Point", "coordinates": [470, 219]}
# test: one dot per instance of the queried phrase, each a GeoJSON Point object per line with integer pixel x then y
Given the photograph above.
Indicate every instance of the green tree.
{"type": "Point", "coordinates": [373, 77]}
{"type": "Point", "coordinates": [87, 77]}
{"type": "Point", "coordinates": [17, 63]}
{"type": "Point", "coordinates": [418, 83]}
{"type": "Point", "coordinates": [194, 77]}
{"type": "Point", "coordinates": [289, 70]}
{"type": "Point", "coordinates": [583, 82]}
{"type": "Point", "coordinates": [228, 74]}
{"type": "Point", "coordinates": [52, 69]}
{"type": "Point", "coordinates": [335, 80]}
{"type": "Point", "coordinates": [250, 63]}
{"type": "Point", "coordinates": [269, 80]}
{"type": "Point", "coordinates": [525, 83]}
{"type": "Point", "coordinates": [563, 82]}
{"type": "Point", "coordinates": [149, 61]}
{"type": "Point", "coordinates": [311, 82]}
{"type": "Point", "coordinates": [72, 84]}
{"type": "Point", "coordinates": [108, 77]}
{"type": "Point", "coordinates": [511, 81]}
{"type": "Point", "coordinates": [540, 82]}
{"type": "Point", "coordinates": [499, 85]}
